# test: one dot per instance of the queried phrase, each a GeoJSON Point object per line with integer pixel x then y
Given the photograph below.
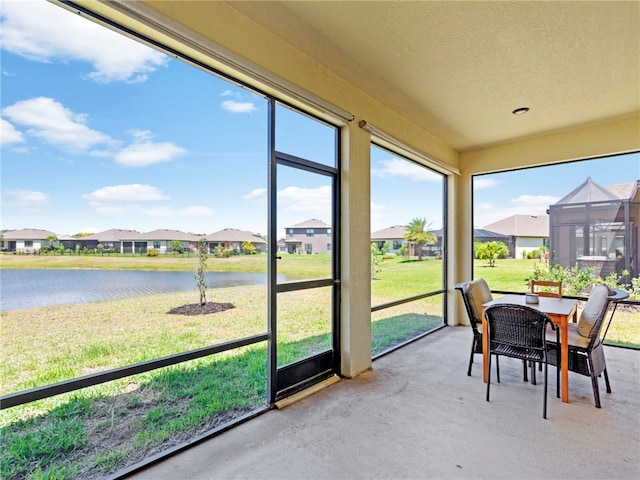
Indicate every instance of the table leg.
{"type": "Point", "coordinates": [564, 358]}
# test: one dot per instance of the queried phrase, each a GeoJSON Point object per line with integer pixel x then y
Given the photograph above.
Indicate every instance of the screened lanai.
{"type": "Point", "coordinates": [441, 92]}
{"type": "Point", "coordinates": [597, 227]}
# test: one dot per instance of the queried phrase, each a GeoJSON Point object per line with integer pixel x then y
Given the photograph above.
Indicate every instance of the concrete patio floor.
{"type": "Point", "coordinates": [417, 415]}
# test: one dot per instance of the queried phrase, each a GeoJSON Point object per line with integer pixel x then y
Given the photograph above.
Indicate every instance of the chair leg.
{"type": "Point", "coordinates": [596, 390]}
{"type": "Point", "coordinates": [533, 373]}
{"type": "Point", "coordinates": [497, 368]}
{"type": "Point", "coordinates": [594, 384]}
{"type": "Point", "coordinates": [544, 408]}
{"type": "Point", "coordinates": [489, 377]}
{"type": "Point", "coordinates": [473, 348]}
{"type": "Point", "coordinates": [525, 375]}
{"type": "Point", "coordinates": [606, 381]}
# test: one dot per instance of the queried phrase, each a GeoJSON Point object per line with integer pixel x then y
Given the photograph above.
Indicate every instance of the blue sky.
{"type": "Point", "coordinates": [100, 132]}
{"type": "Point", "coordinates": [531, 191]}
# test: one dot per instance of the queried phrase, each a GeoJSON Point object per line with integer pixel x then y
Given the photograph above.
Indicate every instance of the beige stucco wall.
{"type": "Point", "coordinates": [217, 32]}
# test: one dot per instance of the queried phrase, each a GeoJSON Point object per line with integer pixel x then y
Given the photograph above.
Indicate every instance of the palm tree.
{"type": "Point", "coordinates": [419, 233]}
{"type": "Point", "coordinates": [52, 239]}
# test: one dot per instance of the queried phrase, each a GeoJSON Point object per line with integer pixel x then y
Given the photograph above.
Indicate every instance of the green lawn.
{"type": "Point", "coordinates": [101, 429]}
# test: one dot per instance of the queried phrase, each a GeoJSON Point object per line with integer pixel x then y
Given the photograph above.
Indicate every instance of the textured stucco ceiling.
{"type": "Point", "coordinates": [458, 69]}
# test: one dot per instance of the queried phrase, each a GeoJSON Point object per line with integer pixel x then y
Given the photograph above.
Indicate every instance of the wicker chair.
{"type": "Point", "coordinates": [519, 331]}
{"type": "Point", "coordinates": [586, 338]}
{"type": "Point", "coordinates": [476, 293]}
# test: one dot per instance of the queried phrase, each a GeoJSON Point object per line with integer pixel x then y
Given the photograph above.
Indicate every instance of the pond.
{"type": "Point", "coordinates": [40, 288]}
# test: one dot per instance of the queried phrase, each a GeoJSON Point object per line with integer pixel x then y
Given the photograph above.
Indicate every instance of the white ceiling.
{"type": "Point", "coordinates": [458, 69]}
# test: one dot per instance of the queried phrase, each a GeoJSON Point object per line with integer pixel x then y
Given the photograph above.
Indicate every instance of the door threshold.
{"type": "Point", "coordinates": [285, 402]}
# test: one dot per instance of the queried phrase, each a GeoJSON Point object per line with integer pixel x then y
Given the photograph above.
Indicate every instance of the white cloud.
{"type": "Point", "coordinates": [51, 122]}
{"type": "Point", "coordinates": [311, 201]}
{"type": "Point", "coordinates": [486, 213]}
{"type": "Point", "coordinates": [127, 193]}
{"type": "Point", "coordinates": [537, 203]}
{"type": "Point", "coordinates": [140, 200]}
{"type": "Point", "coordinates": [197, 211]}
{"type": "Point", "coordinates": [480, 183]}
{"type": "Point", "coordinates": [379, 216]}
{"type": "Point", "coordinates": [8, 134]}
{"type": "Point", "coordinates": [193, 211]}
{"type": "Point", "coordinates": [148, 153]}
{"type": "Point", "coordinates": [257, 193]}
{"type": "Point", "coordinates": [26, 200]}
{"type": "Point", "coordinates": [141, 135]}
{"type": "Point", "coordinates": [44, 32]}
{"type": "Point", "coordinates": [405, 169]}
{"type": "Point", "coordinates": [238, 107]}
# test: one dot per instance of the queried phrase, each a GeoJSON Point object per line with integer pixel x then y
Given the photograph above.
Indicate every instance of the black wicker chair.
{"type": "Point", "coordinates": [586, 338]}
{"type": "Point", "coordinates": [476, 293]}
{"type": "Point", "coordinates": [518, 331]}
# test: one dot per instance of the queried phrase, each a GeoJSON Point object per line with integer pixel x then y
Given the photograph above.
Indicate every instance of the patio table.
{"type": "Point", "coordinates": [560, 310]}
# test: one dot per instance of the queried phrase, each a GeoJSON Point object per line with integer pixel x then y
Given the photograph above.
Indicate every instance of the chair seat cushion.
{"type": "Point", "coordinates": [573, 336]}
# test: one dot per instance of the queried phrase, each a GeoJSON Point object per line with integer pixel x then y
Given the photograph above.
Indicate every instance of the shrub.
{"type": "Point", "coordinates": [221, 252]}
{"type": "Point", "coordinates": [248, 248]}
{"type": "Point", "coordinates": [490, 251]}
{"type": "Point", "coordinates": [152, 252]}
{"type": "Point", "coordinates": [575, 281]}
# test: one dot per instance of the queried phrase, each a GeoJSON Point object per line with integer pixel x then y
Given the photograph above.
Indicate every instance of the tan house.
{"type": "Point", "coordinates": [233, 239]}
{"type": "Point", "coordinates": [392, 236]}
{"type": "Point", "coordinates": [117, 239]}
{"type": "Point", "coordinates": [26, 240]}
{"type": "Point", "coordinates": [161, 240]}
{"type": "Point", "coordinates": [526, 232]}
{"type": "Point", "coordinates": [310, 236]}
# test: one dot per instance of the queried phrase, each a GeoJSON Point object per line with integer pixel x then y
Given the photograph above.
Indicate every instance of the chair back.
{"type": "Point", "coordinates": [517, 330]}
{"type": "Point", "coordinates": [475, 293]}
{"type": "Point", "coordinates": [546, 288]}
{"type": "Point", "coordinates": [591, 323]}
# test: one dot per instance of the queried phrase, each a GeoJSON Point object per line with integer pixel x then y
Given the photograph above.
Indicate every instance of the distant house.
{"type": "Point", "coordinates": [311, 236]}
{"type": "Point", "coordinates": [26, 240]}
{"type": "Point", "coordinates": [596, 226]}
{"type": "Point", "coordinates": [121, 241]}
{"type": "Point", "coordinates": [392, 236]}
{"type": "Point", "coordinates": [161, 240]}
{"type": "Point", "coordinates": [524, 233]}
{"type": "Point", "coordinates": [233, 239]}
{"type": "Point", "coordinates": [479, 235]}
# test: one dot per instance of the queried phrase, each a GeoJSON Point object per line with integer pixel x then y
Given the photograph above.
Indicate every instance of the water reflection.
{"type": "Point", "coordinates": [40, 288]}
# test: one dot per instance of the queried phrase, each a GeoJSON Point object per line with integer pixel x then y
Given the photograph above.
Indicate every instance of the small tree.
{"type": "Point", "coordinates": [419, 233]}
{"type": "Point", "coordinates": [52, 239]}
{"type": "Point", "coordinates": [490, 251]}
{"type": "Point", "coordinates": [176, 246]}
{"type": "Point", "coordinates": [376, 259]}
{"type": "Point", "coordinates": [201, 268]}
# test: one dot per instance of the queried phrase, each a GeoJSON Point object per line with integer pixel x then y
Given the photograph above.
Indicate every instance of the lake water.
{"type": "Point", "coordinates": [40, 288]}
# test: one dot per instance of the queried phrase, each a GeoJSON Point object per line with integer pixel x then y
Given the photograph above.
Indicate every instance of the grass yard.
{"type": "Point", "coordinates": [99, 430]}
